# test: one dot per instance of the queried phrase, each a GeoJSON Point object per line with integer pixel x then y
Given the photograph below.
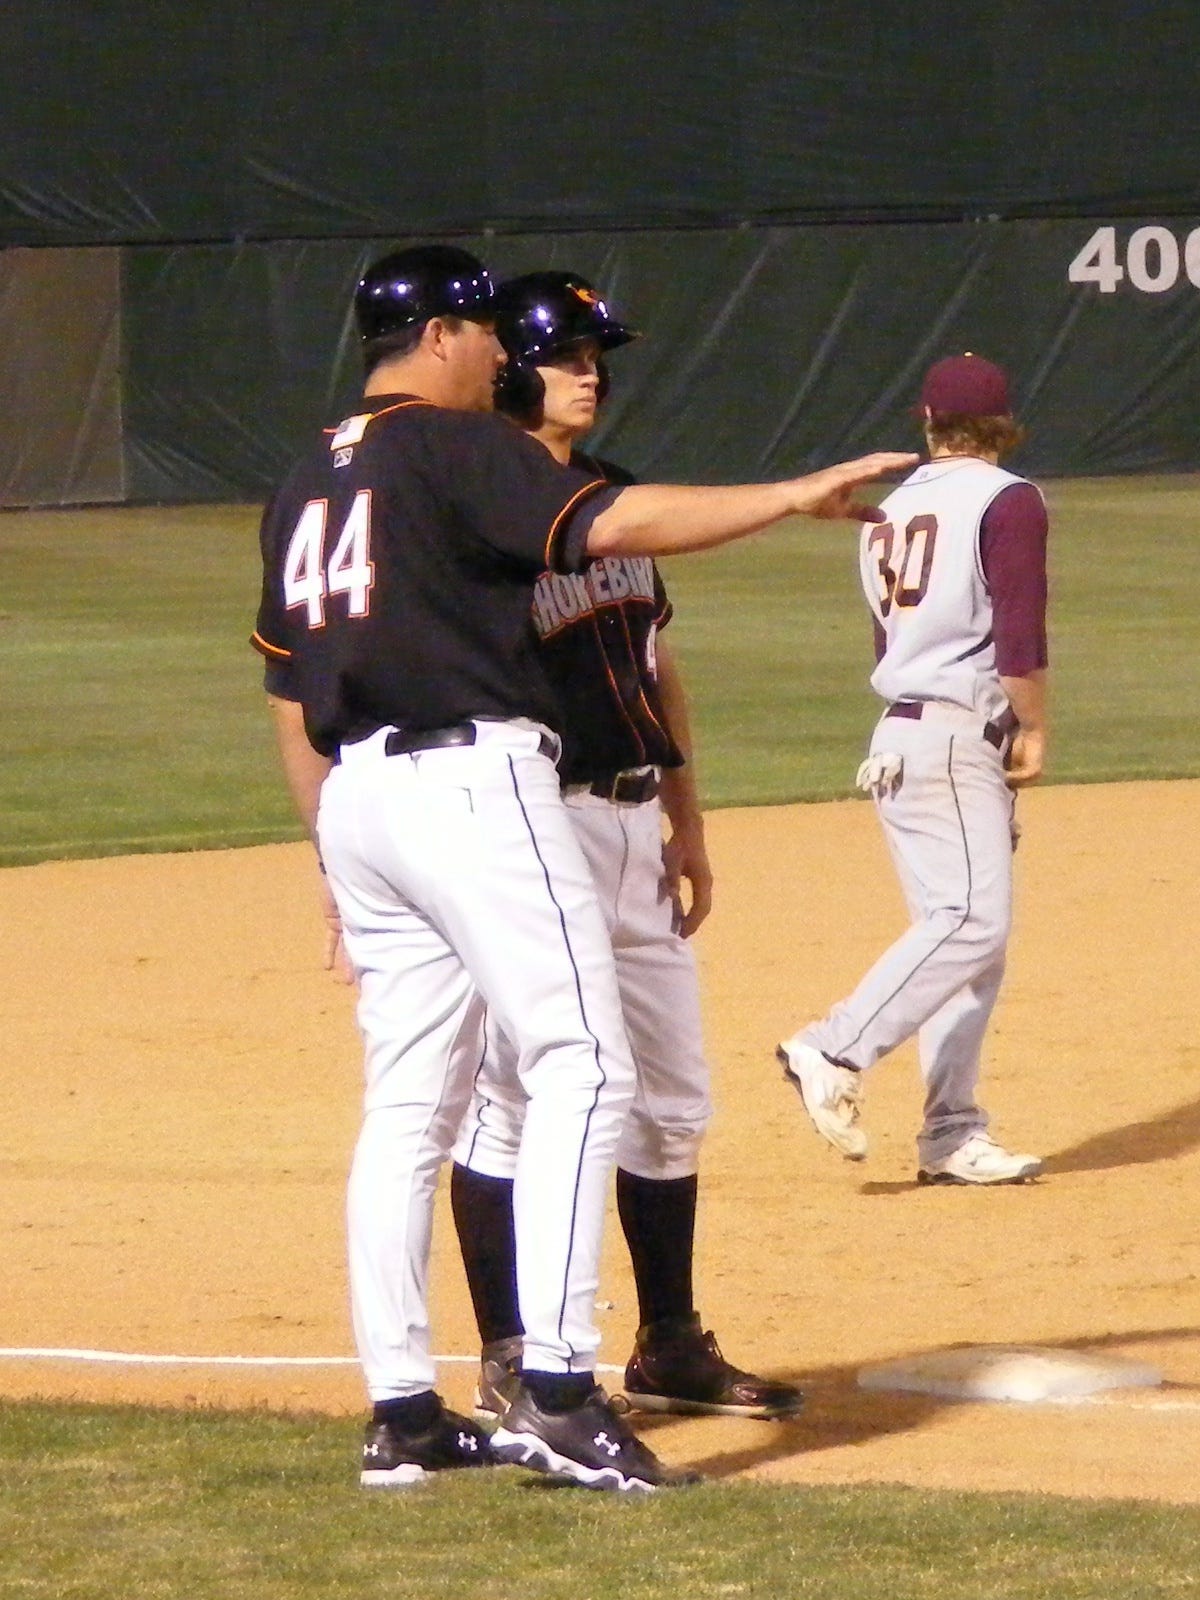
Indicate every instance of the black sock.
{"type": "Point", "coordinates": [559, 1391]}
{"type": "Point", "coordinates": [412, 1414]}
{"type": "Point", "coordinates": [483, 1218]}
{"type": "Point", "coordinates": [659, 1220]}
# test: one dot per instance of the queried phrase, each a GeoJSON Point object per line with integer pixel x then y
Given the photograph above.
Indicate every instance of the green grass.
{"type": "Point", "coordinates": [132, 715]}
{"type": "Point", "coordinates": [132, 718]}
{"type": "Point", "coordinates": [100, 1502]}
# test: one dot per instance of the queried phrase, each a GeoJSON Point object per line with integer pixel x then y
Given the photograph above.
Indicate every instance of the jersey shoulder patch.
{"type": "Point", "coordinates": [350, 430]}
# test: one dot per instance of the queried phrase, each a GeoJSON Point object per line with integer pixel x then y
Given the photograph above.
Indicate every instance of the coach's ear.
{"type": "Point", "coordinates": [435, 335]}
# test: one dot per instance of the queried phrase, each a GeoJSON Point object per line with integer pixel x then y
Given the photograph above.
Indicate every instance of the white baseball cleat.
{"type": "Point", "coordinates": [832, 1095]}
{"type": "Point", "coordinates": [981, 1160]}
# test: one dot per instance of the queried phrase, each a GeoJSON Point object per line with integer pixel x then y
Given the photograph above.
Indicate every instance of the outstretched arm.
{"type": "Point", "coordinates": [663, 519]}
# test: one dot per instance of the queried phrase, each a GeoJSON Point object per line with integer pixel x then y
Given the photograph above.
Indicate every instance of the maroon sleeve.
{"type": "Point", "coordinates": [1012, 552]}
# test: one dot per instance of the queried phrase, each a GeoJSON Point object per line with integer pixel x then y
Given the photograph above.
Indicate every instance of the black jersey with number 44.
{"type": "Point", "coordinates": [597, 631]}
{"type": "Point", "coordinates": [399, 560]}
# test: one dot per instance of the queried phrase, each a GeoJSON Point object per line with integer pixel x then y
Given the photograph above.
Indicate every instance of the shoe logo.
{"type": "Point", "coordinates": [468, 1442]}
{"type": "Point", "coordinates": [603, 1442]}
{"type": "Point", "coordinates": [371, 1450]}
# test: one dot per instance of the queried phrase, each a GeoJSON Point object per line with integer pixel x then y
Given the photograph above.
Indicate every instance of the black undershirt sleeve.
{"type": "Point", "coordinates": [569, 553]}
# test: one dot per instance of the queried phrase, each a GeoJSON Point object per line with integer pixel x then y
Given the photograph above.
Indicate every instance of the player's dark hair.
{"type": "Point", "coordinates": [395, 346]}
{"type": "Point", "coordinates": [966, 435]}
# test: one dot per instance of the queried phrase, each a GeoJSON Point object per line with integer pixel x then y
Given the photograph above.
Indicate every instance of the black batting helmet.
{"type": "Point", "coordinates": [408, 287]}
{"type": "Point", "coordinates": [539, 316]}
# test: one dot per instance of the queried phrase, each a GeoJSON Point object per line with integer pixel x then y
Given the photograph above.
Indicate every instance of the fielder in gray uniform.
{"type": "Point", "coordinates": [956, 582]}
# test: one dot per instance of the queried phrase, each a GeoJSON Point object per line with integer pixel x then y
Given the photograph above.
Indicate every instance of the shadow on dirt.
{"type": "Point", "coordinates": [838, 1412]}
{"type": "Point", "coordinates": [1172, 1133]}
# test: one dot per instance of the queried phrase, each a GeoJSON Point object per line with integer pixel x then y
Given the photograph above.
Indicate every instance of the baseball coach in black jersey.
{"type": "Point", "coordinates": [626, 760]}
{"type": "Point", "coordinates": [420, 733]}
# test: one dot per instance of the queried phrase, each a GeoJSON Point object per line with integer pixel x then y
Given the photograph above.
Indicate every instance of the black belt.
{"type": "Point", "coordinates": [402, 742]}
{"type": "Point", "coordinates": [996, 733]}
{"type": "Point", "coordinates": [634, 786]}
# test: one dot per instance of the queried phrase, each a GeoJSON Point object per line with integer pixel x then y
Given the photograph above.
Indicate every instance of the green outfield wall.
{"type": "Point", "coordinates": [167, 121]}
{"type": "Point", "coordinates": [800, 204]}
{"type": "Point", "coordinates": [767, 350]}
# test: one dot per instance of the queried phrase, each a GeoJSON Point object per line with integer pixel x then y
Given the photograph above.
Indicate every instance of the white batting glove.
{"type": "Point", "coordinates": [881, 774]}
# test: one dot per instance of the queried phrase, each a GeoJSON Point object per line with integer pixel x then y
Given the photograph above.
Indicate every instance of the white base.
{"type": "Point", "coordinates": [1008, 1372]}
{"type": "Point", "coordinates": [402, 1477]}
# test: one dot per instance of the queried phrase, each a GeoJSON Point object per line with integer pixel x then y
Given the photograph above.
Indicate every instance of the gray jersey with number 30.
{"type": "Point", "coordinates": [923, 578]}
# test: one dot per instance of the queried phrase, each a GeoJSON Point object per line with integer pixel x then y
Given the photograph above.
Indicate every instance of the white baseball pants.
{"type": "Point", "coordinates": [949, 830]}
{"type": "Point", "coordinates": [660, 1002]}
{"type": "Point", "coordinates": [461, 884]}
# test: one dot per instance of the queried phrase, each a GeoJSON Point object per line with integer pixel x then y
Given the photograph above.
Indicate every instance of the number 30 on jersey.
{"type": "Point", "coordinates": [903, 561]}
{"type": "Point", "coordinates": [308, 580]}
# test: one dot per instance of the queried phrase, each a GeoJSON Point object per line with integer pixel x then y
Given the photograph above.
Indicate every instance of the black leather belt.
{"type": "Point", "coordinates": [996, 733]}
{"type": "Point", "coordinates": [401, 742]}
{"type": "Point", "coordinates": [634, 786]}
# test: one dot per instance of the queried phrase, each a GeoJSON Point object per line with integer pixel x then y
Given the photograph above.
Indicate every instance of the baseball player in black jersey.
{"type": "Point", "coordinates": [419, 734]}
{"type": "Point", "coordinates": [626, 748]}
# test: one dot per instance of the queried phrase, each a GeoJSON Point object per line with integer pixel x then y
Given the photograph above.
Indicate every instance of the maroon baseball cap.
{"type": "Point", "coordinates": [966, 386]}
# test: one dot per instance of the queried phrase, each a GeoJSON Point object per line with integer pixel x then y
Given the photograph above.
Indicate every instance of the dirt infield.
{"type": "Point", "coordinates": [179, 1096]}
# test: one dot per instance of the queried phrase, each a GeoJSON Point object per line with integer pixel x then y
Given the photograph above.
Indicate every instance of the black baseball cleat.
{"type": "Point", "coordinates": [677, 1366]}
{"type": "Point", "coordinates": [589, 1445]}
{"type": "Point", "coordinates": [393, 1460]}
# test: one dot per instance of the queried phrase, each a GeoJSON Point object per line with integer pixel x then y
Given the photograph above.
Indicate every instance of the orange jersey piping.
{"type": "Point", "coordinates": [598, 483]}
{"type": "Point", "coordinates": [259, 643]}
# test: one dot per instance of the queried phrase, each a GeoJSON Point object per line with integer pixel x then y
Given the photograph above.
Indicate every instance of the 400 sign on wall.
{"type": "Point", "coordinates": [1154, 257]}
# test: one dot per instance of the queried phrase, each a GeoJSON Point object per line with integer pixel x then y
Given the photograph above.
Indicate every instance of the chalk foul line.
{"type": "Point", "coordinates": [131, 1358]}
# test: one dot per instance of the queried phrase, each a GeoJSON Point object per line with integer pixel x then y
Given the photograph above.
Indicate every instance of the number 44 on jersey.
{"type": "Point", "coordinates": [308, 580]}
